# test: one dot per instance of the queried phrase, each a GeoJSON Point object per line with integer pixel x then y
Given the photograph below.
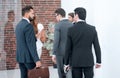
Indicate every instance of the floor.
{"type": "Point", "coordinates": [16, 73]}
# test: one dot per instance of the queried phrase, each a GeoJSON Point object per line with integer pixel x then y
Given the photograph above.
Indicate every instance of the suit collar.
{"type": "Point", "coordinates": [26, 19]}
{"type": "Point", "coordinates": [64, 19]}
{"type": "Point", "coordinates": [80, 20]}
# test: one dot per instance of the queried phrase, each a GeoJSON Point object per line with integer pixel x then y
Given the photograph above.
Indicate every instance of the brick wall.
{"type": "Point", "coordinates": [9, 15]}
{"type": "Point", "coordinates": [45, 12]}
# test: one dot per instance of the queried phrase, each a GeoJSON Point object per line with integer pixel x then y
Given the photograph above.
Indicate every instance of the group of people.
{"type": "Point", "coordinates": [72, 47]}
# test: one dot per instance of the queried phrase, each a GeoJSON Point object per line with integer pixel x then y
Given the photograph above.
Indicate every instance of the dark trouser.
{"type": "Point", "coordinates": [78, 72]}
{"type": "Point", "coordinates": [24, 67]}
{"type": "Point", "coordinates": [60, 67]}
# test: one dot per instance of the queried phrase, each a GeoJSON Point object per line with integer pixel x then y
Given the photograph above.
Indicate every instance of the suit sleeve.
{"type": "Point", "coordinates": [31, 42]}
{"type": "Point", "coordinates": [68, 49]}
{"type": "Point", "coordinates": [97, 48]}
{"type": "Point", "coordinates": [56, 39]}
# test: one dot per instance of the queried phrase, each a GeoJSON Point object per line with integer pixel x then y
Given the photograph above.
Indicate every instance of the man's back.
{"type": "Point", "coordinates": [61, 32]}
{"type": "Point", "coordinates": [82, 37]}
{"type": "Point", "coordinates": [79, 46]}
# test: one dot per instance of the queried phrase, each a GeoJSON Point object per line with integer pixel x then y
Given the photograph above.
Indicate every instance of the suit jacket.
{"type": "Point", "coordinates": [79, 45]}
{"type": "Point", "coordinates": [60, 37]}
{"type": "Point", "coordinates": [26, 43]}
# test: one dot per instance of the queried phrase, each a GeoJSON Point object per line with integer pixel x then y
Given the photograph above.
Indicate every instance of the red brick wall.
{"type": "Point", "coordinates": [45, 12]}
{"type": "Point", "coordinates": [7, 37]}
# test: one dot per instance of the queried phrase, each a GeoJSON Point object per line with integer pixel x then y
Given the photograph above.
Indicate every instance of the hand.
{"type": "Point", "coordinates": [66, 68]}
{"type": "Point", "coordinates": [37, 35]}
{"type": "Point", "coordinates": [97, 65]}
{"type": "Point", "coordinates": [54, 59]}
{"type": "Point", "coordinates": [38, 64]}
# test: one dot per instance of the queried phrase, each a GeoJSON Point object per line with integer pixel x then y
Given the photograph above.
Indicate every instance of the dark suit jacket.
{"type": "Point", "coordinates": [60, 37]}
{"type": "Point", "coordinates": [79, 45]}
{"type": "Point", "coordinates": [26, 43]}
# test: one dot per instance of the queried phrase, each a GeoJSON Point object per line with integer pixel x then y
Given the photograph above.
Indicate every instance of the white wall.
{"type": "Point", "coordinates": [105, 15]}
{"type": "Point", "coordinates": [70, 5]}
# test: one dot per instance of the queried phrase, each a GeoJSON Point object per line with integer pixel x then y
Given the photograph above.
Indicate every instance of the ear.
{"type": "Point", "coordinates": [60, 17]}
{"type": "Point", "coordinates": [26, 14]}
{"type": "Point", "coordinates": [77, 15]}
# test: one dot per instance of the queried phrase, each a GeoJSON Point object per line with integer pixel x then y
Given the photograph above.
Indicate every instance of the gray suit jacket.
{"type": "Point", "coordinates": [26, 43]}
{"type": "Point", "coordinates": [60, 37]}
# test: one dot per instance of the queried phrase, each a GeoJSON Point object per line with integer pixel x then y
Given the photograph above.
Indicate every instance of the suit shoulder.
{"type": "Point", "coordinates": [23, 25]}
{"type": "Point", "coordinates": [65, 21]}
{"type": "Point", "coordinates": [57, 25]}
{"type": "Point", "coordinates": [90, 26]}
{"type": "Point", "coordinates": [29, 26]}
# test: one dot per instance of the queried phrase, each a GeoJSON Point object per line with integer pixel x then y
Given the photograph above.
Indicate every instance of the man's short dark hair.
{"type": "Point", "coordinates": [81, 12]}
{"type": "Point", "coordinates": [26, 9]}
{"type": "Point", "coordinates": [60, 11]}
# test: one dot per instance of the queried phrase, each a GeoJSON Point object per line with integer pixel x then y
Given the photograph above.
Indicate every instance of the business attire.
{"type": "Point", "coordinates": [79, 49]}
{"type": "Point", "coordinates": [26, 53]}
{"type": "Point", "coordinates": [60, 38]}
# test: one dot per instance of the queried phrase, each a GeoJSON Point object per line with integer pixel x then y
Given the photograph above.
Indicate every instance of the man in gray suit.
{"type": "Point", "coordinates": [26, 53]}
{"type": "Point", "coordinates": [60, 36]}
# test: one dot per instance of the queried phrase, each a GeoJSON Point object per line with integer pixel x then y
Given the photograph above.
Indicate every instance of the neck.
{"type": "Point", "coordinates": [62, 18]}
{"type": "Point", "coordinates": [26, 16]}
{"type": "Point", "coordinates": [26, 19]}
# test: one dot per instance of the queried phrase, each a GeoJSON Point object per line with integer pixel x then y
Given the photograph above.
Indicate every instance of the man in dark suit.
{"type": "Point", "coordinates": [26, 53]}
{"type": "Point", "coordinates": [78, 52]}
{"type": "Point", "coordinates": [60, 35]}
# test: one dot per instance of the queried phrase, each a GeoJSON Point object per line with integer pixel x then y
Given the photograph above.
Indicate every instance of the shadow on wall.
{"type": "Point", "coordinates": [9, 41]}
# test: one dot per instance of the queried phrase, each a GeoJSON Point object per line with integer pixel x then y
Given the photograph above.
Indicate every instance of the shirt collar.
{"type": "Point", "coordinates": [80, 20]}
{"type": "Point", "coordinates": [26, 19]}
{"type": "Point", "coordinates": [62, 19]}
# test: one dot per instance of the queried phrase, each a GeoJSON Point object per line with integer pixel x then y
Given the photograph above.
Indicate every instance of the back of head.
{"type": "Point", "coordinates": [81, 13]}
{"type": "Point", "coordinates": [61, 12]}
{"type": "Point", "coordinates": [26, 9]}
